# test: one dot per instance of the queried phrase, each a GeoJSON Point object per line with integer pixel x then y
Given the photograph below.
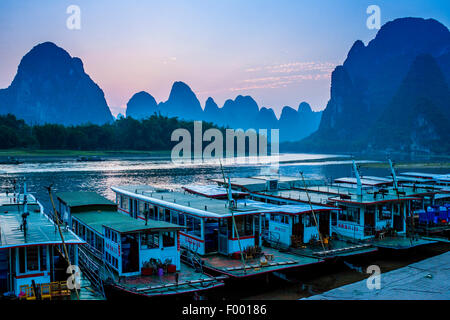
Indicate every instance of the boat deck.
{"type": "Point", "coordinates": [335, 248]}
{"type": "Point", "coordinates": [399, 243]}
{"type": "Point", "coordinates": [154, 285]}
{"type": "Point", "coordinates": [235, 269]}
{"type": "Point", "coordinates": [432, 229]}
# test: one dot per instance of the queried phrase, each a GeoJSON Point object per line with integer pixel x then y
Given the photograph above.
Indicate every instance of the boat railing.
{"type": "Point", "coordinates": [272, 237]}
{"type": "Point", "coordinates": [91, 269]}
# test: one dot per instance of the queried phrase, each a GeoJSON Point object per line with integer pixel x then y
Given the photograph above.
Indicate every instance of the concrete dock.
{"type": "Point", "coordinates": [424, 280]}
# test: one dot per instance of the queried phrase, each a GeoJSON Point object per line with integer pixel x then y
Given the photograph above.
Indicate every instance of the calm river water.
{"type": "Point", "coordinates": [71, 175]}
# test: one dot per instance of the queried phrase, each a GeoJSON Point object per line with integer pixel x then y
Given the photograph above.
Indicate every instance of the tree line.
{"type": "Point", "coordinates": [151, 134]}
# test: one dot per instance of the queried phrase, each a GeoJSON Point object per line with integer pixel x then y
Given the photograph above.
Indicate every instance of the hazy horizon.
{"type": "Point", "coordinates": [281, 53]}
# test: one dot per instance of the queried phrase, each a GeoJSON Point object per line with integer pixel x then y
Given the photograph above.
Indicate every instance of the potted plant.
{"type": "Point", "coordinates": [147, 269]}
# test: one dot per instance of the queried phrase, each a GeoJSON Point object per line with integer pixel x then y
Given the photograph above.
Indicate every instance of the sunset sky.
{"type": "Point", "coordinates": [279, 52]}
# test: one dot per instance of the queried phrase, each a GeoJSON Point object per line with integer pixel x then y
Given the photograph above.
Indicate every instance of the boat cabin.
{"type": "Point", "coordinates": [31, 246]}
{"type": "Point", "coordinates": [124, 243]}
{"type": "Point", "coordinates": [211, 225]}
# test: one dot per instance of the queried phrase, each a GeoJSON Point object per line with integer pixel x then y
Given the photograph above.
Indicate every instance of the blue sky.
{"type": "Point", "coordinates": [279, 52]}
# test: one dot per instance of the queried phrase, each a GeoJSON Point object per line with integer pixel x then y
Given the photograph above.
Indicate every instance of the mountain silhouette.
{"type": "Point", "coordinates": [363, 89]}
{"type": "Point", "coordinates": [52, 87]}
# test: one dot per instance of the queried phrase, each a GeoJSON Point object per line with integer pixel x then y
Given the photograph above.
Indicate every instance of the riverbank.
{"type": "Point", "coordinates": [30, 153]}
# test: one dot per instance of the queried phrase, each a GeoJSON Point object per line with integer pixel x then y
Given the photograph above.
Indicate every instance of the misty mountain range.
{"type": "Point", "coordinates": [242, 112]}
{"type": "Point", "coordinates": [51, 87]}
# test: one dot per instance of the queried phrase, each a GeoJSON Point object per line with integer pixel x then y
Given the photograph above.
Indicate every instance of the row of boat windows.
{"type": "Point", "coordinates": [111, 235]}
{"type": "Point", "coordinates": [112, 260]}
{"type": "Point", "coordinates": [193, 224]}
{"type": "Point", "coordinates": [383, 212]}
{"type": "Point", "coordinates": [306, 219]}
{"type": "Point", "coordinates": [87, 235]}
{"type": "Point", "coordinates": [32, 258]}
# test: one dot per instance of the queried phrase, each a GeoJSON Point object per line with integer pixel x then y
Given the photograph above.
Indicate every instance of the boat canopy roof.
{"type": "Point", "coordinates": [364, 181]}
{"type": "Point", "coordinates": [291, 209]}
{"type": "Point", "coordinates": [82, 198]}
{"type": "Point", "coordinates": [428, 176]}
{"type": "Point", "coordinates": [212, 191]}
{"type": "Point", "coordinates": [186, 202]}
{"type": "Point", "coordinates": [41, 230]}
{"type": "Point", "coordinates": [250, 184]}
{"type": "Point", "coordinates": [121, 223]}
{"type": "Point", "coordinates": [297, 195]}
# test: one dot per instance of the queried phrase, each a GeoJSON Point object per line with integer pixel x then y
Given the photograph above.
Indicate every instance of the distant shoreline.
{"type": "Point", "coordinates": [77, 153]}
{"type": "Point", "coordinates": [407, 165]}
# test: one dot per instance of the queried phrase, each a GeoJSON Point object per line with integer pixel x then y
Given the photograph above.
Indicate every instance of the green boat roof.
{"type": "Point", "coordinates": [120, 222]}
{"type": "Point", "coordinates": [83, 198]}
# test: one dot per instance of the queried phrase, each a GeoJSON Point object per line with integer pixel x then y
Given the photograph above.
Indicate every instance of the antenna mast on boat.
{"type": "Point", "coordinates": [358, 179]}
{"type": "Point", "coordinates": [230, 200]}
{"type": "Point", "coordinates": [394, 176]}
{"type": "Point", "coordinates": [66, 254]}
{"type": "Point", "coordinates": [312, 211]}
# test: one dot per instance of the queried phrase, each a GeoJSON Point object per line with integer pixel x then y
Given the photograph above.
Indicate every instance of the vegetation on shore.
{"type": "Point", "coordinates": [407, 165]}
{"type": "Point", "coordinates": [78, 153]}
{"type": "Point", "coordinates": [151, 134]}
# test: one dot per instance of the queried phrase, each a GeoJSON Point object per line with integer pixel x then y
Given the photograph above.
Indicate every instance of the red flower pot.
{"type": "Point", "coordinates": [171, 268]}
{"type": "Point", "coordinates": [146, 271]}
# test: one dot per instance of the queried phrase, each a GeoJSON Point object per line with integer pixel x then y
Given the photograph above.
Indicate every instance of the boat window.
{"type": "Point", "coordinates": [43, 257]}
{"type": "Point", "coordinates": [350, 214]}
{"type": "Point", "coordinates": [22, 260]}
{"type": "Point", "coordinates": [280, 218]}
{"type": "Point", "coordinates": [244, 225]}
{"type": "Point", "coordinates": [98, 243]}
{"type": "Point", "coordinates": [152, 214]}
{"type": "Point", "coordinates": [223, 226]}
{"type": "Point", "coordinates": [174, 217]}
{"type": "Point", "coordinates": [181, 220]}
{"type": "Point", "coordinates": [150, 240]}
{"type": "Point", "coordinates": [384, 212]}
{"type": "Point", "coordinates": [193, 225]}
{"type": "Point", "coordinates": [168, 239]}
{"type": "Point", "coordinates": [167, 215]}
{"type": "Point", "coordinates": [161, 214]}
{"type": "Point", "coordinates": [124, 203]}
{"type": "Point", "coordinates": [141, 208]}
{"type": "Point", "coordinates": [307, 220]}
{"type": "Point", "coordinates": [32, 258]}
{"type": "Point", "coordinates": [333, 218]}
{"type": "Point", "coordinates": [370, 210]}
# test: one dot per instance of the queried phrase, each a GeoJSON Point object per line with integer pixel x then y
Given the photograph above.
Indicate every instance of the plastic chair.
{"type": "Point", "coordinates": [64, 289]}
{"type": "Point", "coordinates": [23, 292]}
{"type": "Point", "coordinates": [46, 291]}
{"type": "Point", "coordinates": [55, 290]}
{"type": "Point", "coordinates": [30, 294]}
